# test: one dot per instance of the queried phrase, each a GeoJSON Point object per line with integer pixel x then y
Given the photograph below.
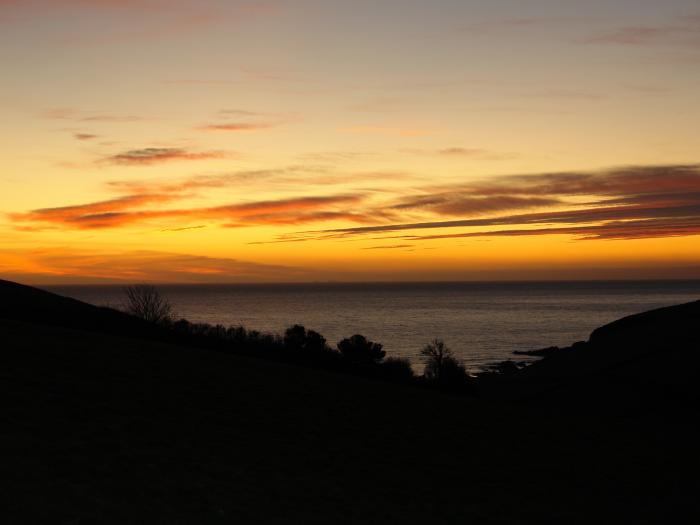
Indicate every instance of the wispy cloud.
{"type": "Point", "coordinates": [461, 152]}
{"type": "Point", "coordinates": [185, 228]}
{"type": "Point", "coordinates": [236, 120]}
{"type": "Point", "coordinates": [389, 247]}
{"type": "Point", "coordinates": [238, 113]}
{"type": "Point", "coordinates": [397, 131]}
{"type": "Point", "coordinates": [474, 153]}
{"type": "Point", "coordinates": [78, 115]}
{"type": "Point", "coordinates": [110, 118]}
{"type": "Point", "coordinates": [85, 136]}
{"type": "Point", "coordinates": [293, 175]}
{"type": "Point", "coordinates": [101, 214]}
{"type": "Point", "coordinates": [147, 156]}
{"type": "Point", "coordinates": [334, 157]}
{"type": "Point", "coordinates": [235, 127]}
{"type": "Point", "coordinates": [683, 32]}
{"type": "Point", "coordinates": [455, 203]}
{"type": "Point", "coordinates": [619, 230]}
{"type": "Point", "coordinates": [239, 178]}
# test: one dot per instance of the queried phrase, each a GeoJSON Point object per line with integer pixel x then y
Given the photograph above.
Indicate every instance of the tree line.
{"type": "Point", "coordinates": [355, 354]}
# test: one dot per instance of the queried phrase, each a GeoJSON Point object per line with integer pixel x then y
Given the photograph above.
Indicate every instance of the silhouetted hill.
{"type": "Point", "coordinates": [106, 428]}
{"type": "Point", "coordinates": [656, 330]}
{"type": "Point", "coordinates": [644, 357]}
{"type": "Point", "coordinates": [25, 303]}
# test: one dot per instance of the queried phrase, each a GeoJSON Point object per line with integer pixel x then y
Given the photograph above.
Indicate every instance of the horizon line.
{"type": "Point", "coordinates": [374, 282]}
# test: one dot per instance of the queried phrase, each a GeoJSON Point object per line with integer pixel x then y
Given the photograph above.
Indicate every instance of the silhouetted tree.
{"type": "Point", "coordinates": [440, 364]}
{"type": "Point", "coordinates": [299, 339]}
{"type": "Point", "coordinates": [146, 302]}
{"type": "Point", "coordinates": [359, 349]}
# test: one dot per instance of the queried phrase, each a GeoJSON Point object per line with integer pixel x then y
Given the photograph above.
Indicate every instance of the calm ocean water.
{"type": "Point", "coordinates": [480, 322]}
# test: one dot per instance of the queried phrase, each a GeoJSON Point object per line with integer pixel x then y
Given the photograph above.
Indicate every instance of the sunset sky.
{"type": "Point", "coordinates": [325, 140]}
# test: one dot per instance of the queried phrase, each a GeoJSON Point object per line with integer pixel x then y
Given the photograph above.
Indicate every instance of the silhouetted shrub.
{"type": "Point", "coordinates": [299, 339]}
{"type": "Point", "coordinates": [358, 349]}
{"type": "Point", "coordinates": [233, 338]}
{"type": "Point", "coordinates": [502, 367]}
{"type": "Point", "coordinates": [146, 302]}
{"type": "Point", "coordinates": [397, 369]}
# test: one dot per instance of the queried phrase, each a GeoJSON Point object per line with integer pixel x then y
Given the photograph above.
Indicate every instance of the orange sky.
{"type": "Point", "coordinates": [214, 141]}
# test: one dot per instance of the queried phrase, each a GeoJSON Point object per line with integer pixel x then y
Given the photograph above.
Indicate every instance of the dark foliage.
{"type": "Point", "coordinates": [234, 338]}
{"type": "Point", "coordinates": [503, 367]}
{"type": "Point", "coordinates": [298, 339]}
{"type": "Point", "coordinates": [397, 369]}
{"type": "Point", "coordinates": [358, 349]}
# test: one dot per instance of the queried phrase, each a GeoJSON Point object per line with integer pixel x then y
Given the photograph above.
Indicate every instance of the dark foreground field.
{"type": "Point", "coordinates": [100, 428]}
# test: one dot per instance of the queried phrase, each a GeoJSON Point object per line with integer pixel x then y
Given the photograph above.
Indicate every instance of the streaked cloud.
{"type": "Point", "coordinates": [651, 200]}
{"type": "Point", "coordinates": [397, 131]}
{"type": "Point", "coordinates": [101, 214]}
{"type": "Point", "coordinates": [461, 152]}
{"type": "Point", "coordinates": [85, 136]}
{"type": "Point", "coordinates": [450, 203]}
{"type": "Point", "coordinates": [291, 173]}
{"type": "Point", "coordinates": [389, 247]}
{"type": "Point", "coordinates": [623, 203]}
{"type": "Point", "coordinates": [334, 157]}
{"type": "Point", "coordinates": [146, 156]}
{"type": "Point", "coordinates": [617, 230]}
{"type": "Point", "coordinates": [235, 127]}
{"type": "Point", "coordinates": [474, 153]}
{"type": "Point", "coordinates": [142, 209]}
{"type": "Point", "coordinates": [80, 115]}
{"type": "Point", "coordinates": [237, 112]}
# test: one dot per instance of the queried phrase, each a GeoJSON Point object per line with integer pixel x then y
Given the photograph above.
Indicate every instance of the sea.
{"type": "Point", "coordinates": [481, 322]}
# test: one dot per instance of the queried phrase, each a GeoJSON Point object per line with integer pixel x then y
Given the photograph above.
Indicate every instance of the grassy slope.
{"type": "Point", "coordinates": [101, 429]}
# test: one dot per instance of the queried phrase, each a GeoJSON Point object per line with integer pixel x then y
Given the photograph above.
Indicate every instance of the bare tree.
{"type": "Point", "coordinates": [146, 302]}
{"type": "Point", "coordinates": [440, 364]}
